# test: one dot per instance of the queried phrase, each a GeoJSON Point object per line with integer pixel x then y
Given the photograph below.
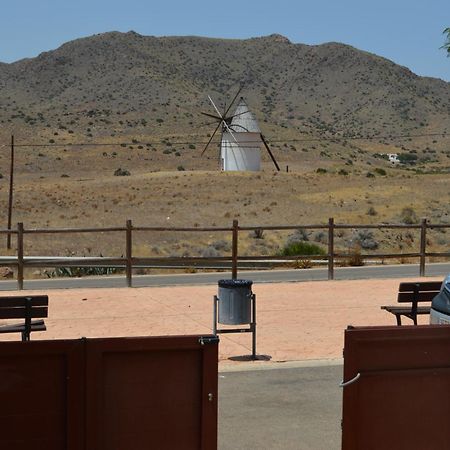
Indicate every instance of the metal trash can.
{"type": "Point", "coordinates": [440, 306]}
{"type": "Point", "coordinates": [235, 302]}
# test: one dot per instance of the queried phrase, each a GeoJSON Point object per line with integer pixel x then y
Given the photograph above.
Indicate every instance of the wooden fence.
{"type": "Point", "coordinates": [130, 262]}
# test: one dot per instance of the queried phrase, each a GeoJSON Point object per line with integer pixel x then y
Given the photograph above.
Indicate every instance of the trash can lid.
{"type": "Point", "coordinates": [234, 283]}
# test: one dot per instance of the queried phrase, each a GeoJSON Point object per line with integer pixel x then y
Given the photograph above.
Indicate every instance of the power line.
{"type": "Point", "coordinates": [275, 141]}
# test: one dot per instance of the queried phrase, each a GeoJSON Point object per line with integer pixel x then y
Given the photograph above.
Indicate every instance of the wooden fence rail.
{"type": "Point", "coordinates": [130, 262]}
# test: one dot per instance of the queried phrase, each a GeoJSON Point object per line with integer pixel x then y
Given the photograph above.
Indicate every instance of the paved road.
{"type": "Point", "coordinates": [285, 409]}
{"type": "Point", "coordinates": [259, 276]}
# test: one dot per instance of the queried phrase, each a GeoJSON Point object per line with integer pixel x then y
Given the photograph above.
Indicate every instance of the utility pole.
{"type": "Point", "coordinates": [11, 187]}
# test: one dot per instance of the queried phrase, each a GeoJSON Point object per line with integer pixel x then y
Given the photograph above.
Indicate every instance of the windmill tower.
{"type": "Point", "coordinates": [241, 140]}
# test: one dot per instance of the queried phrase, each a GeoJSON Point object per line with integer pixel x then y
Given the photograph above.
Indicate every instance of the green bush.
{"type": "Point", "coordinates": [407, 158]}
{"type": "Point", "coordinates": [302, 248]}
{"type": "Point", "coordinates": [381, 172]}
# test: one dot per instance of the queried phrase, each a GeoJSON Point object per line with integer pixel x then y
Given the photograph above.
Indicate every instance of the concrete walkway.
{"type": "Point", "coordinates": [295, 321]}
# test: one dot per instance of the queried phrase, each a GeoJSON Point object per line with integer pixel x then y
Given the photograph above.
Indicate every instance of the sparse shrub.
{"type": "Point", "coordinates": [343, 172]}
{"type": "Point", "coordinates": [355, 259]}
{"type": "Point", "coordinates": [321, 170]}
{"type": "Point", "coordinates": [321, 237]}
{"type": "Point", "coordinates": [257, 234]}
{"type": "Point", "coordinates": [122, 173]}
{"type": "Point", "coordinates": [180, 168]}
{"type": "Point", "coordinates": [380, 171]}
{"type": "Point", "coordinates": [366, 240]}
{"type": "Point", "coordinates": [210, 252]}
{"type": "Point", "coordinates": [221, 245]}
{"type": "Point", "coordinates": [407, 158]}
{"type": "Point", "coordinates": [408, 216]}
{"type": "Point", "coordinates": [371, 211]}
{"type": "Point", "coordinates": [302, 263]}
{"type": "Point", "coordinates": [297, 236]}
{"type": "Point", "coordinates": [370, 175]}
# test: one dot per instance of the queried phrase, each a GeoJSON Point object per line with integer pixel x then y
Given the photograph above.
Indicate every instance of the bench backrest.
{"type": "Point", "coordinates": [420, 291]}
{"type": "Point", "coordinates": [16, 307]}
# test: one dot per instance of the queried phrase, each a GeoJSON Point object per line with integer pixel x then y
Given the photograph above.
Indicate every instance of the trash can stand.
{"type": "Point", "coordinates": [251, 328]}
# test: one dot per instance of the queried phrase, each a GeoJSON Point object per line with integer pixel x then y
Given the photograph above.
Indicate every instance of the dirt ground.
{"type": "Point", "coordinates": [295, 321]}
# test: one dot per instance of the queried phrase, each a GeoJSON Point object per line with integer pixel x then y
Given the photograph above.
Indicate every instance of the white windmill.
{"type": "Point", "coordinates": [241, 141]}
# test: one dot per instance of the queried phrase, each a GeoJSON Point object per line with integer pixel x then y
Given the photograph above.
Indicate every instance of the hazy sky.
{"type": "Point", "coordinates": [409, 32]}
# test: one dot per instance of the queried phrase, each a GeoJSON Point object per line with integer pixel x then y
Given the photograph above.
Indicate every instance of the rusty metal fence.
{"type": "Point", "coordinates": [232, 262]}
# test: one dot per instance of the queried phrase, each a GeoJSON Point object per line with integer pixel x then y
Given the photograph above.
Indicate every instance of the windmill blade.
{"type": "Point", "coordinates": [211, 138]}
{"type": "Point", "coordinates": [234, 99]}
{"type": "Point", "coordinates": [215, 107]}
{"type": "Point", "coordinates": [207, 124]}
{"type": "Point", "coordinates": [269, 151]}
{"type": "Point", "coordinates": [238, 114]}
{"type": "Point", "coordinates": [211, 115]}
{"type": "Point", "coordinates": [229, 131]}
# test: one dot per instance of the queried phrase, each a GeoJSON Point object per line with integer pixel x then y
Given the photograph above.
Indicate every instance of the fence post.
{"type": "Point", "coordinates": [331, 248]}
{"type": "Point", "coordinates": [10, 197]}
{"type": "Point", "coordinates": [234, 250]}
{"type": "Point", "coordinates": [20, 256]}
{"type": "Point", "coordinates": [129, 245]}
{"type": "Point", "coordinates": [423, 246]}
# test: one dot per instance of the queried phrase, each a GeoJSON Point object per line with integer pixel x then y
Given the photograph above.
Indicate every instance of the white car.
{"type": "Point", "coordinates": [440, 306]}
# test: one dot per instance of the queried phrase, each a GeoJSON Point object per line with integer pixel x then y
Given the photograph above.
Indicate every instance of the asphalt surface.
{"type": "Point", "coordinates": [258, 276]}
{"type": "Point", "coordinates": [295, 408]}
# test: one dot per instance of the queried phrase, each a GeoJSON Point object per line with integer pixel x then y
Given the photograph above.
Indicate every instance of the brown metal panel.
{"type": "Point", "coordinates": [150, 393]}
{"type": "Point", "coordinates": [209, 397]}
{"type": "Point", "coordinates": [400, 400]}
{"type": "Point", "coordinates": [41, 395]}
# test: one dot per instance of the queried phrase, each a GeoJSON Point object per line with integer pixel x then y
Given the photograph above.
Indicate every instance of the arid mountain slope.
{"type": "Point", "coordinates": [127, 84]}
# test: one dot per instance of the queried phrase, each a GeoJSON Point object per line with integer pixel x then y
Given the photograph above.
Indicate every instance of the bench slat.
{"type": "Point", "coordinates": [19, 313]}
{"type": "Point", "coordinates": [37, 325]}
{"type": "Point", "coordinates": [36, 300]}
{"type": "Point", "coordinates": [405, 310]}
{"type": "Point", "coordinates": [407, 297]}
{"type": "Point", "coordinates": [423, 286]}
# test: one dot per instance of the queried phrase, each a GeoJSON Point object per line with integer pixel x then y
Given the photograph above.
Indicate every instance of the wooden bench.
{"type": "Point", "coordinates": [27, 307]}
{"type": "Point", "coordinates": [414, 293]}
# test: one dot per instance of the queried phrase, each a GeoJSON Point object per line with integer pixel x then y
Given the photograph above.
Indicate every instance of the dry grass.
{"type": "Point", "coordinates": [209, 199]}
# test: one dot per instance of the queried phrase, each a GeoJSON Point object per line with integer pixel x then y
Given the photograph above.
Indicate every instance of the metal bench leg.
{"type": "Point", "coordinates": [399, 319]}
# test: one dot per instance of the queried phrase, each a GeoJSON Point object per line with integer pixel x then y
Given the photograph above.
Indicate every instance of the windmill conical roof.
{"type": "Point", "coordinates": [243, 119]}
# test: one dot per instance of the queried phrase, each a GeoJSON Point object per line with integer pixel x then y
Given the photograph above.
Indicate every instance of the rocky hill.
{"type": "Point", "coordinates": [124, 84]}
{"type": "Point", "coordinates": [141, 96]}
